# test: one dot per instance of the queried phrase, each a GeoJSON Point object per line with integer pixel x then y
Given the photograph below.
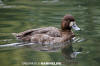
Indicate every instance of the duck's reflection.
{"type": "Point", "coordinates": [69, 54]}
{"type": "Point", "coordinates": [67, 50]}
{"type": "Point", "coordinates": [49, 47]}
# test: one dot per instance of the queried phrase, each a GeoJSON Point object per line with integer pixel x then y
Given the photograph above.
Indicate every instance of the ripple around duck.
{"type": "Point", "coordinates": [38, 47]}
{"type": "Point", "coordinates": [78, 39]}
{"type": "Point", "coordinates": [14, 44]}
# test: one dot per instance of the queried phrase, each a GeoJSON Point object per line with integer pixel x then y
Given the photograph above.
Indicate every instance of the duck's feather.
{"type": "Point", "coordinates": [46, 39]}
{"type": "Point", "coordinates": [51, 31]}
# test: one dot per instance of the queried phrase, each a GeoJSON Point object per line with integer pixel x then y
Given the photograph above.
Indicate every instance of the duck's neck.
{"type": "Point", "coordinates": [66, 30]}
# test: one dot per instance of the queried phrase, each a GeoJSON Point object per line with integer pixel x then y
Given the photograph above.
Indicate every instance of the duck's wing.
{"type": "Point", "coordinates": [51, 31]}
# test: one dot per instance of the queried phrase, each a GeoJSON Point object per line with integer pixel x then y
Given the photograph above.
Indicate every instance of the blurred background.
{"type": "Point", "coordinates": [20, 15]}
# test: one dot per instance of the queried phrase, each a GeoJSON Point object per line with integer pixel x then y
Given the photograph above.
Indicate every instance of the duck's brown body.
{"type": "Point", "coordinates": [49, 35]}
{"type": "Point", "coordinates": [47, 39]}
{"type": "Point", "coordinates": [28, 34]}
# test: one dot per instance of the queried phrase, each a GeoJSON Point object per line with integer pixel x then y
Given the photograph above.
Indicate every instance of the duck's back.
{"type": "Point", "coordinates": [51, 31]}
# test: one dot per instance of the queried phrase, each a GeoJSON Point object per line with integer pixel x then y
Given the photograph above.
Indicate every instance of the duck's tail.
{"type": "Point", "coordinates": [16, 35]}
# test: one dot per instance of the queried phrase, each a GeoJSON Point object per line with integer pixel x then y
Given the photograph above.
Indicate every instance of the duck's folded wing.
{"type": "Point", "coordinates": [52, 31]}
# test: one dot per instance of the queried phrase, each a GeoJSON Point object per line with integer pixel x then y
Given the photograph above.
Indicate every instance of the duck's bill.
{"type": "Point", "coordinates": [75, 27]}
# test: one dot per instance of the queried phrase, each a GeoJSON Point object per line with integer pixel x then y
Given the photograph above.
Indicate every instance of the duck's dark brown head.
{"type": "Point", "coordinates": [68, 22]}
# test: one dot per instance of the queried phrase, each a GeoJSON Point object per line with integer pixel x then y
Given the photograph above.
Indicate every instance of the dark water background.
{"type": "Point", "coordinates": [20, 15]}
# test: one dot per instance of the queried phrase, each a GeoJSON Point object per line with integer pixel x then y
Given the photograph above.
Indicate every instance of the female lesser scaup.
{"type": "Point", "coordinates": [50, 35]}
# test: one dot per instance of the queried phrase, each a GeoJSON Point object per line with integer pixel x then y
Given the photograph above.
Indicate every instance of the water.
{"type": "Point", "coordinates": [20, 15]}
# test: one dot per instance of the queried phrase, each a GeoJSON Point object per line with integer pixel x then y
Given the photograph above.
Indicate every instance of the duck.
{"type": "Point", "coordinates": [50, 35]}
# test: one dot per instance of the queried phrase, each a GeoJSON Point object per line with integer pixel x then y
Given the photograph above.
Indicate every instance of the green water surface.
{"type": "Point", "coordinates": [20, 15]}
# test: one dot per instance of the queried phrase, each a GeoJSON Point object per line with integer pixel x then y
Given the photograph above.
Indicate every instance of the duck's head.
{"type": "Point", "coordinates": [68, 22]}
